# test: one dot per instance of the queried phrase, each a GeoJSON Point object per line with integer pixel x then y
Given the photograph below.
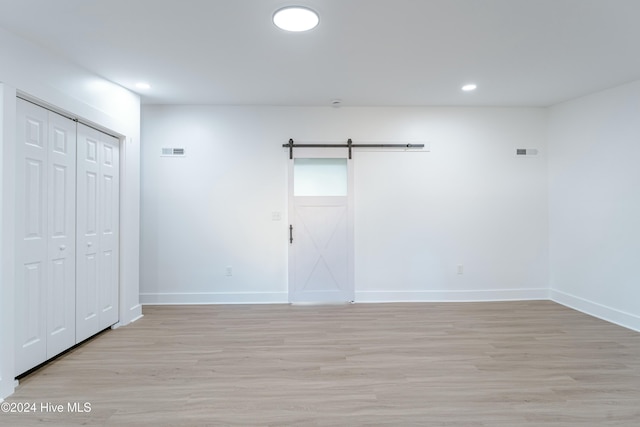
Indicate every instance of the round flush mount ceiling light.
{"type": "Point", "coordinates": [469, 87]}
{"type": "Point", "coordinates": [295, 18]}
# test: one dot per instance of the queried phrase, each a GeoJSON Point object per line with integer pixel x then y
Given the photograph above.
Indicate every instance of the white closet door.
{"type": "Point", "coordinates": [108, 226]}
{"type": "Point", "coordinates": [61, 214]}
{"type": "Point", "coordinates": [31, 236]}
{"type": "Point", "coordinates": [45, 218]}
{"type": "Point", "coordinates": [97, 232]}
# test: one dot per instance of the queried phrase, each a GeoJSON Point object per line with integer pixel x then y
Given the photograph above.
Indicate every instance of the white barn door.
{"type": "Point", "coordinates": [97, 232]}
{"type": "Point", "coordinates": [45, 235]}
{"type": "Point", "coordinates": [321, 227]}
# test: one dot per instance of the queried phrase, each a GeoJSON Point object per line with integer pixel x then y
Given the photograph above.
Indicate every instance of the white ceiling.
{"type": "Point", "coordinates": [365, 52]}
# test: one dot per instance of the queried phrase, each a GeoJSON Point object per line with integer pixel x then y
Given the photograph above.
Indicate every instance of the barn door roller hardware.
{"type": "Point", "coordinates": [291, 145]}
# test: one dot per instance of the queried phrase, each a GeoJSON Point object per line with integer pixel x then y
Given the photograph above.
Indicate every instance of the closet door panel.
{"type": "Point", "coordinates": [87, 236]}
{"type": "Point", "coordinates": [61, 299]}
{"type": "Point", "coordinates": [31, 236]}
{"type": "Point", "coordinates": [98, 231]}
{"type": "Point", "coordinates": [109, 230]}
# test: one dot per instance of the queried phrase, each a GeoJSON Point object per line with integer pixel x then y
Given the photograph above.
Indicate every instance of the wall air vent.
{"type": "Point", "coordinates": [173, 152]}
{"type": "Point", "coordinates": [526, 151]}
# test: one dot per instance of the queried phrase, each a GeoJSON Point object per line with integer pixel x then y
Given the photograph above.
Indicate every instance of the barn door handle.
{"type": "Point", "coordinates": [290, 233]}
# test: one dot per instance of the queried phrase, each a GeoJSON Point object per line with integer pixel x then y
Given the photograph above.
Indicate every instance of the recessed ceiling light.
{"type": "Point", "coordinates": [469, 87]}
{"type": "Point", "coordinates": [143, 86]}
{"type": "Point", "coordinates": [295, 18]}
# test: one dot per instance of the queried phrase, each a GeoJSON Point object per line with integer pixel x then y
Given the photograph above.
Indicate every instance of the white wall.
{"type": "Point", "coordinates": [32, 71]}
{"type": "Point", "coordinates": [468, 201]}
{"type": "Point", "coordinates": [7, 135]}
{"type": "Point", "coordinates": [594, 204]}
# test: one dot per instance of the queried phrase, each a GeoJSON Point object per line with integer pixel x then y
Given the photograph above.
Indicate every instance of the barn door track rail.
{"type": "Point", "coordinates": [291, 145]}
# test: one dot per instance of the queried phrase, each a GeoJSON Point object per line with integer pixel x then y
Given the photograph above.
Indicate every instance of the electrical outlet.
{"type": "Point", "coordinates": [228, 271]}
{"type": "Point", "coordinates": [276, 216]}
{"type": "Point", "coordinates": [460, 269]}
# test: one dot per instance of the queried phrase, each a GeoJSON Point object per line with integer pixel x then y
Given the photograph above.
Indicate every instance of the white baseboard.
{"type": "Point", "coordinates": [214, 298]}
{"type": "Point", "coordinates": [360, 296]}
{"type": "Point", "coordinates": [453, 296]}
{"type": "Point", "coordinates": [627, 320]}
{"type": "Point", "coordinates": [135, 313]}
{"type": "Point", "coordinates": [137, 318]}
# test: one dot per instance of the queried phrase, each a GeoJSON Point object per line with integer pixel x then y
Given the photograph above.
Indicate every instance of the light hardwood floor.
{"type": "Point", "coordinates": [532, 363]}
